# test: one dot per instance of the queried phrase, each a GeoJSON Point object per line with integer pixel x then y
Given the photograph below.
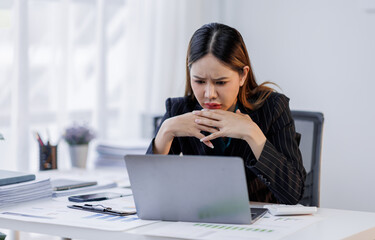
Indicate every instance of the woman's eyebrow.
{"type": "Point", "coordinates": [201, 78]}
{"type": "Point", "coordinates": [220, 78]}
{"type": "Point", "coordinates": [214, 79]}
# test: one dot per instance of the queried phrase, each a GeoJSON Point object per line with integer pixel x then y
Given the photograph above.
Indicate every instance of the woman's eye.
{"type": "Point", "coordinates": [220, 82]}
{"type": "Point", "coordinates": [199, 81]}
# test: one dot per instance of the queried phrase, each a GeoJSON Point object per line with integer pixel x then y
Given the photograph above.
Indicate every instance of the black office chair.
{"type": "Point", "coordinates": [310, 127]}
{"type": "Point", "coordinates": [157, 122]}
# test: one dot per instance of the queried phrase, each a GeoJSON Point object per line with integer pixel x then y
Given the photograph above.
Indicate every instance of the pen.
{"type": "Point", "coordinates": [37, 136]}
{"type": "Point", "coordinates": [101, 209]}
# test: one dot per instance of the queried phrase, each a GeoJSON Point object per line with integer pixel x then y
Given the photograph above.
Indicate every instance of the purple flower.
{"type": "Point", "coordinates": [78, 134]}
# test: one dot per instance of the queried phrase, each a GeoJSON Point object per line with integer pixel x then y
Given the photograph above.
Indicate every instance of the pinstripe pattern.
{"type": "Point", "coordinates": [278, 175]}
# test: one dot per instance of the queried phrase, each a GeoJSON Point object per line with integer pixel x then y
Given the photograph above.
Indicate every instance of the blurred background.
{"type": "Point", "coordinates": [112, 63]}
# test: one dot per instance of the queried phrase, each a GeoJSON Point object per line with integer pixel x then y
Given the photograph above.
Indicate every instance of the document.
{"type": "Point", "coordinates": [57, 212]}
{"type": "Point", "coordinates": [25, 191]}
{"type": "Point", "coordinates": [268, 228]}
{"type": "Point", "coordinates": [109, 153]}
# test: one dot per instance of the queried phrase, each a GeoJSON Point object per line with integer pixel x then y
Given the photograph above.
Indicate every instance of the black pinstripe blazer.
{"type": "Point", "coordinates": [278, 175]}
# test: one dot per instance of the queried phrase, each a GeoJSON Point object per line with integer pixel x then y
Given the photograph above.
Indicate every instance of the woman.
{"type": "Point", "coordinates": [225, 112]}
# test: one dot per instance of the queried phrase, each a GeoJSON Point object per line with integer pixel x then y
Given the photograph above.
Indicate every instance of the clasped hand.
{"type": "Point", "coordinates": [219, 123]}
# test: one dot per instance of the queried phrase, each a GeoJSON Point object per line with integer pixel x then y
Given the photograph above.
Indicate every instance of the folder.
{"type": "Point", "coordinates": [11, 177]}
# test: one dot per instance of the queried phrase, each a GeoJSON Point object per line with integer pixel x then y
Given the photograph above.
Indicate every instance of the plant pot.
{"type": "Point", "coordinates": [78, 155]}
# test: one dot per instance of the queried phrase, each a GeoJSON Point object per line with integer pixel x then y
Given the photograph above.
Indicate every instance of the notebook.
{"type": "Point", "coordinates": [11, 177]}
{"type": "Point", "coordinates": [190, 188]}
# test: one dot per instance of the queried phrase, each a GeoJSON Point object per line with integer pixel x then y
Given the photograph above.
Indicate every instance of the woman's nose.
{"type": "Point", "coordinates": [210, 91]}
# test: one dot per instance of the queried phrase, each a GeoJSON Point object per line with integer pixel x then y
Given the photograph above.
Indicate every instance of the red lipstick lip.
{"type": "Point", "coordinates": [212, 105]}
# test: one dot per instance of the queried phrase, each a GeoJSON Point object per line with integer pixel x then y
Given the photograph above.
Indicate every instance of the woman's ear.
{"type": "Point", "coordinates": [243, 76]}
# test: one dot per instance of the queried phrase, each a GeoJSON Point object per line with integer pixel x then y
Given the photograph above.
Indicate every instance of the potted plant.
{"type": "Point", "coordinates": [78, 137]}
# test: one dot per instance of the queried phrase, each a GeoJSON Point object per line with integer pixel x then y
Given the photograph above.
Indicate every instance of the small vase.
{"type": "Point", "coordinates": [78, 155]}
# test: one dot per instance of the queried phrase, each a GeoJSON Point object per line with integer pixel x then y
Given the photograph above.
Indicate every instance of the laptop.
{"type": "Point", "coordinates": [208, 189]}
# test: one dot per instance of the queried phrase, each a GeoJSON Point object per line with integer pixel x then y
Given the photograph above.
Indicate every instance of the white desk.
{"type": "Point", "coordinates": [335, 224]}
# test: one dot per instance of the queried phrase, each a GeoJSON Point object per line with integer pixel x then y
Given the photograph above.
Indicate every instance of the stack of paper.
{"type": "Point", "coordinates": [112, 153]}
{"type": "Point", "coordinates": [26, 191]}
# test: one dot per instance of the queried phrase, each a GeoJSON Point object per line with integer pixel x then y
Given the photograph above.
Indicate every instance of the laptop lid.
{"type": "Point", "coordinates": [189, 188]}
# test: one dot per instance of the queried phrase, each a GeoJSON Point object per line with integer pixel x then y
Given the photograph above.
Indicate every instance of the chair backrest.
{"type": "Point", "coordinates": [310, 126]}
{"type": "Point", "coordinates": [157, 122]}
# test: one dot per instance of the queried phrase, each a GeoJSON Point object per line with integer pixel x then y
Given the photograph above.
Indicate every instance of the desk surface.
{"type": "Point", "coordinates": [335, 224]}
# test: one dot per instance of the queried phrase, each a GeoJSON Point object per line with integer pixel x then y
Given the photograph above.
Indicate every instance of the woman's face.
{"type": "Point", "coordinates": [215, 85]}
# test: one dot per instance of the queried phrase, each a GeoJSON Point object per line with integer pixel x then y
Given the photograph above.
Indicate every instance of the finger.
{"type": "Point", "coordinates": [207, 143]}
{"type": "Point", "coordinates": [219, 111]}
{"type": "Point", "coordinates": [208, 122]}
{"type": "Point", "coordinates": [211, 114]}
{"type": "Point", "coordinates": [238, 111]}
{"type": "Point", "coordinates": [199, 135]}
{"type": "Point", "coordinates": [207, 129]}
{"type": "Point", "coordinates": [211, 136]}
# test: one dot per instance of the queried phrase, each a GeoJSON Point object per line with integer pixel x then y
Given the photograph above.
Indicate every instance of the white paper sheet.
{"type": "Point", "coordinates": [57, 212]}
{"type": "Point", "coordinates": [269, 227]}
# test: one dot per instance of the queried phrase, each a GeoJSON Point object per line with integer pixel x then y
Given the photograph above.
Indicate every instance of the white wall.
{"type": "Point", "coordinates": [322, 54]}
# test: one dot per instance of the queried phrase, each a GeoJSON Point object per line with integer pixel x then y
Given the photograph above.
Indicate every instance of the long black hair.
{"type": "Point", "coordinates": [227, 45]}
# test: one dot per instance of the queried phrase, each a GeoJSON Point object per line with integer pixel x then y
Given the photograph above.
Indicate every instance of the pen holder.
{"type": "Point", "coordinates": [47, 157]}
